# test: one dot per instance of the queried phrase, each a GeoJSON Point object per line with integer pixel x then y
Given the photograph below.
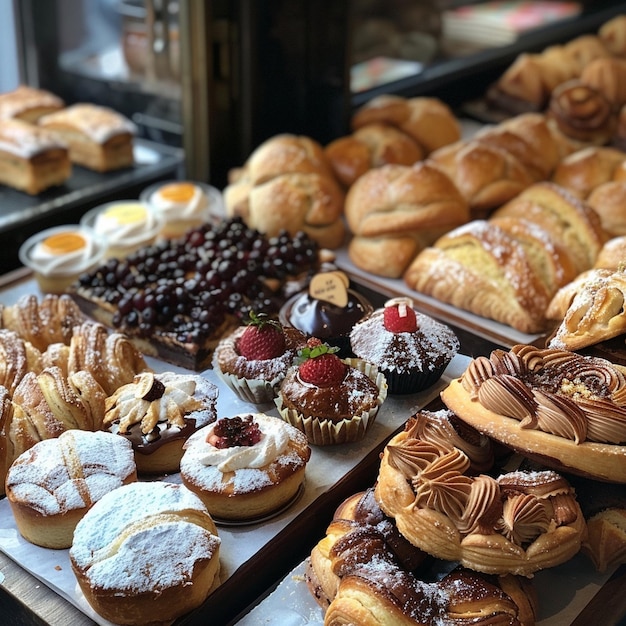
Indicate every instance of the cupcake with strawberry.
{"type": "Point", "coordinates": [411, 349]}
{"type": "Point", "coordinates": [254, 359]}
{"type": "Point", "coordinates": [331, 400]}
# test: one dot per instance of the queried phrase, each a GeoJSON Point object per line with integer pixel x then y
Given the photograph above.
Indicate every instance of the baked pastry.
{"type": "Point", "coordinates": [245, 467]}
{"type": "Point", "coordinates": [331, 400]}
{"type": "Point", "coordinates": [518, 523]}
{"type": "Point", "coordinates": [98, 137]}
{"type": "Point", "coordinates": [44, 320]}
{"type": "Point", "coordinates": [607, 76]}
{"type": "Point", "coordinates": [127, 225]}
{"type": "Point", "coordinates": [368, 147]}
{"type": "Point", "coordinates": [410, 349]}
{"type": "Point", "coordinates": [612, 254]}
{"type": "Point", "coordinates": [182, 205]}
{"type": "Point", "coordinates": [364, 572]}
{"type": "Point", "coordinates": [43, 406]}
{"type": "Point", "coordinates": [157, 413]}
{"type": "Point", "coordinates": [309, 203]}
{"type": "Point", "coordinates": [589, 310]}
{"type": "Point", "coordinates": [146, 553]}
{"type": "Point", "coordinates": [563, 409]}
{"type": "Point", "coordinates": [584, 170]}
{"type": "Point", "coordinates": [254, 358]}
{"type": "Point", "coordinates": [52, 485]}
{"type": "Point", "coordinates": [605, 544]}
{"type": "Point", "coordinates": [327, 310]}
{"type": "Point", "coordinates": [28, 103]}
{"type": "Point", "coordinates": [480, 268]}
{"type": "Point", "coordinates": [608, 200]}
{"type": "Point", "coordinates": [182, 323]}
{"type": "Point", "coordinates": [584, 49]}
{"type": "Point", "coordinates": [429, 121]}
{"type": "Point", "coordinates": [394, 211]}
{"type": "Point", "coordinates": [560, 212]}
{"type": "Point", "coordinates": [582, 112]}
{"type": "Point", "coordinates": [613, 35]}
{"type": "Point", "coordinates": [486, 175]}
{"type": "Point", "coordinates": [31, 159]}
{"type": "Point", "coordinates": [17, 358]}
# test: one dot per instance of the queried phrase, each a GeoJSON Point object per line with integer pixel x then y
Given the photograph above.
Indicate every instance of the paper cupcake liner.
{"type": "Point", "coordinates": [412, 382]}
{"type": "Point", "coordinates": [255, 391]}
{"type": "Point", "coordinates": [322, 431]}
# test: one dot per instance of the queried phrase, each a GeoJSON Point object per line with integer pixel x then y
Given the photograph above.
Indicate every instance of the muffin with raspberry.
{"type": "Point", "coordinates": [331, 400]}
{"type": "Point", "coordinates": [411, 349]}
{"type": "Point", "coordinates": [254, 359]}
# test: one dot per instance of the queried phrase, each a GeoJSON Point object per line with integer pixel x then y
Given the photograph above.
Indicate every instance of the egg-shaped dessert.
{"type": "Point", "coordinates": [182, 205]}
{"type": "Point", "coordinates": [59, 255]}
{"type": "Point", "coordinates": [127, 224]}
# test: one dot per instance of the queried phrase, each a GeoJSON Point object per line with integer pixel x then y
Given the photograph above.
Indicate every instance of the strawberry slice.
{"type": "Point", "coordinates": [263, 338]}
{"type": "Point", "coordinates": [399, 316]}
{"type": "Point", "coordinates": [320, 366]}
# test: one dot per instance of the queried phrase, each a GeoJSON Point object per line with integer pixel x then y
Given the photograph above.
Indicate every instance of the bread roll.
{"type": "Point", "coordinates": [607, 76]}
{"type": "Point", "coordinates": [28, 103]}
{"type": "Point", "coordinates": [608, 200]}
{"type": "Point", "coordinates": [613, 254]}
{"type": "Point", "coordinates": [147, 552]}
{"type": "Point", "coordinates": [582, 112]}
{"type": "Point", "coordinates": [486, 175]}
{"type": "Point", "coordinates": [480, 268]}
{"type": "Point", "coordinates": [394, 211]}
{"type": "Point", "coordinates": [98, 137]}
{"type": "Point", "coordinates": [371, 146]}
{"type": "Point", "coordinates": [584, 49]}
{"type": "Point", "coordinates": [429, 121]}
{"type": "Point", "coordinates": [586, 169]}
{"type": "Point", "coordinates": [52, 485]}
{"type": "Point", "coordinates": [613, 35]}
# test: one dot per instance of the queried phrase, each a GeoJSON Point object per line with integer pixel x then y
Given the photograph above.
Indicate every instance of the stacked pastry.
{"type": "Point", "coordinates": [56, 371]}
{"type": "Point", "coordinates": [435, 497]}
{"type": "Point", "coordinates": [509, 267]}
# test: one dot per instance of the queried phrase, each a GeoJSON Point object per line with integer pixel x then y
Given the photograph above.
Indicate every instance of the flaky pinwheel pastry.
{"type": "Point", "coordinates": [563, 409]}
{"type": "Point", "coordinates": [364, 572]}
{"type": "Point", "coordinates": [47, 404]}
{"type": "Point", "coordinates": [50, 319]}
{"type": "Point", "coordinates": [17, 358]}
{"type": "Point", "coordinates": [517, 523]}
{"type": "Point", "coordinates": [591, 309]}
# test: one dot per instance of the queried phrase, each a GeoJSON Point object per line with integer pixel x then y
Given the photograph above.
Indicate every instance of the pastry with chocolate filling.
{"type": "Point", "coordinates": [365, 572]}
{"type": "Point", "coordinates": [158, 413]}
{"type": "Point", "coordinates": [565, 410]}
{"type": "Point", "coordinates": [516, 523]}
{"type": "Point", "coordinates": [331, 400]}
{"type": "Point", "coordinates": [245, 467]}
{"type": "Point", "coordinates": [411, 349]}
{"type": "Point", "coordinates": [254, 358]}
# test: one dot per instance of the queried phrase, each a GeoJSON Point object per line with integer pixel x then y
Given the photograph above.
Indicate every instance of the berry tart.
{"type": "Point", "coordinates": [178, 298]}
{"type": "Point", "coordinates": [255, 358]}
{"type": "Point", "coordinates": [245, 467]}
{"type": "Point", "coordinates": [331, 400]}
{"type": "Point", "coordinates": [412, 350]}
{"type": "Point", "coordinates": [158, 413]}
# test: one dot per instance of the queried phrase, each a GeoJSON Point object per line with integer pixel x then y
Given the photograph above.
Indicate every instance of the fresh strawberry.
{"type": "Point", "coordinates": [262, 339]}
{"type": "Point", "coordinates": [399, 316]}
{"type": "Point", "coordinates": [320, 365]}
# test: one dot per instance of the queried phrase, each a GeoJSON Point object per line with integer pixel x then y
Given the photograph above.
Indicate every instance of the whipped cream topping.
{"type": "Point", "coordinates": [274, 441]}
{"type": "Point", "coordinates": [576, 397]}
{"type": "Point", "coordinates": [127, 224]}
{"type": "Point", "coordinates": [66, 251]}
{"type": "Point", "coordinates": [176, 201]}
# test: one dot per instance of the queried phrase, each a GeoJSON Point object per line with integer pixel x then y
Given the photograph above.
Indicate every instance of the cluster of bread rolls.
{"type": "Point", "coordinates": [56, 372]}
